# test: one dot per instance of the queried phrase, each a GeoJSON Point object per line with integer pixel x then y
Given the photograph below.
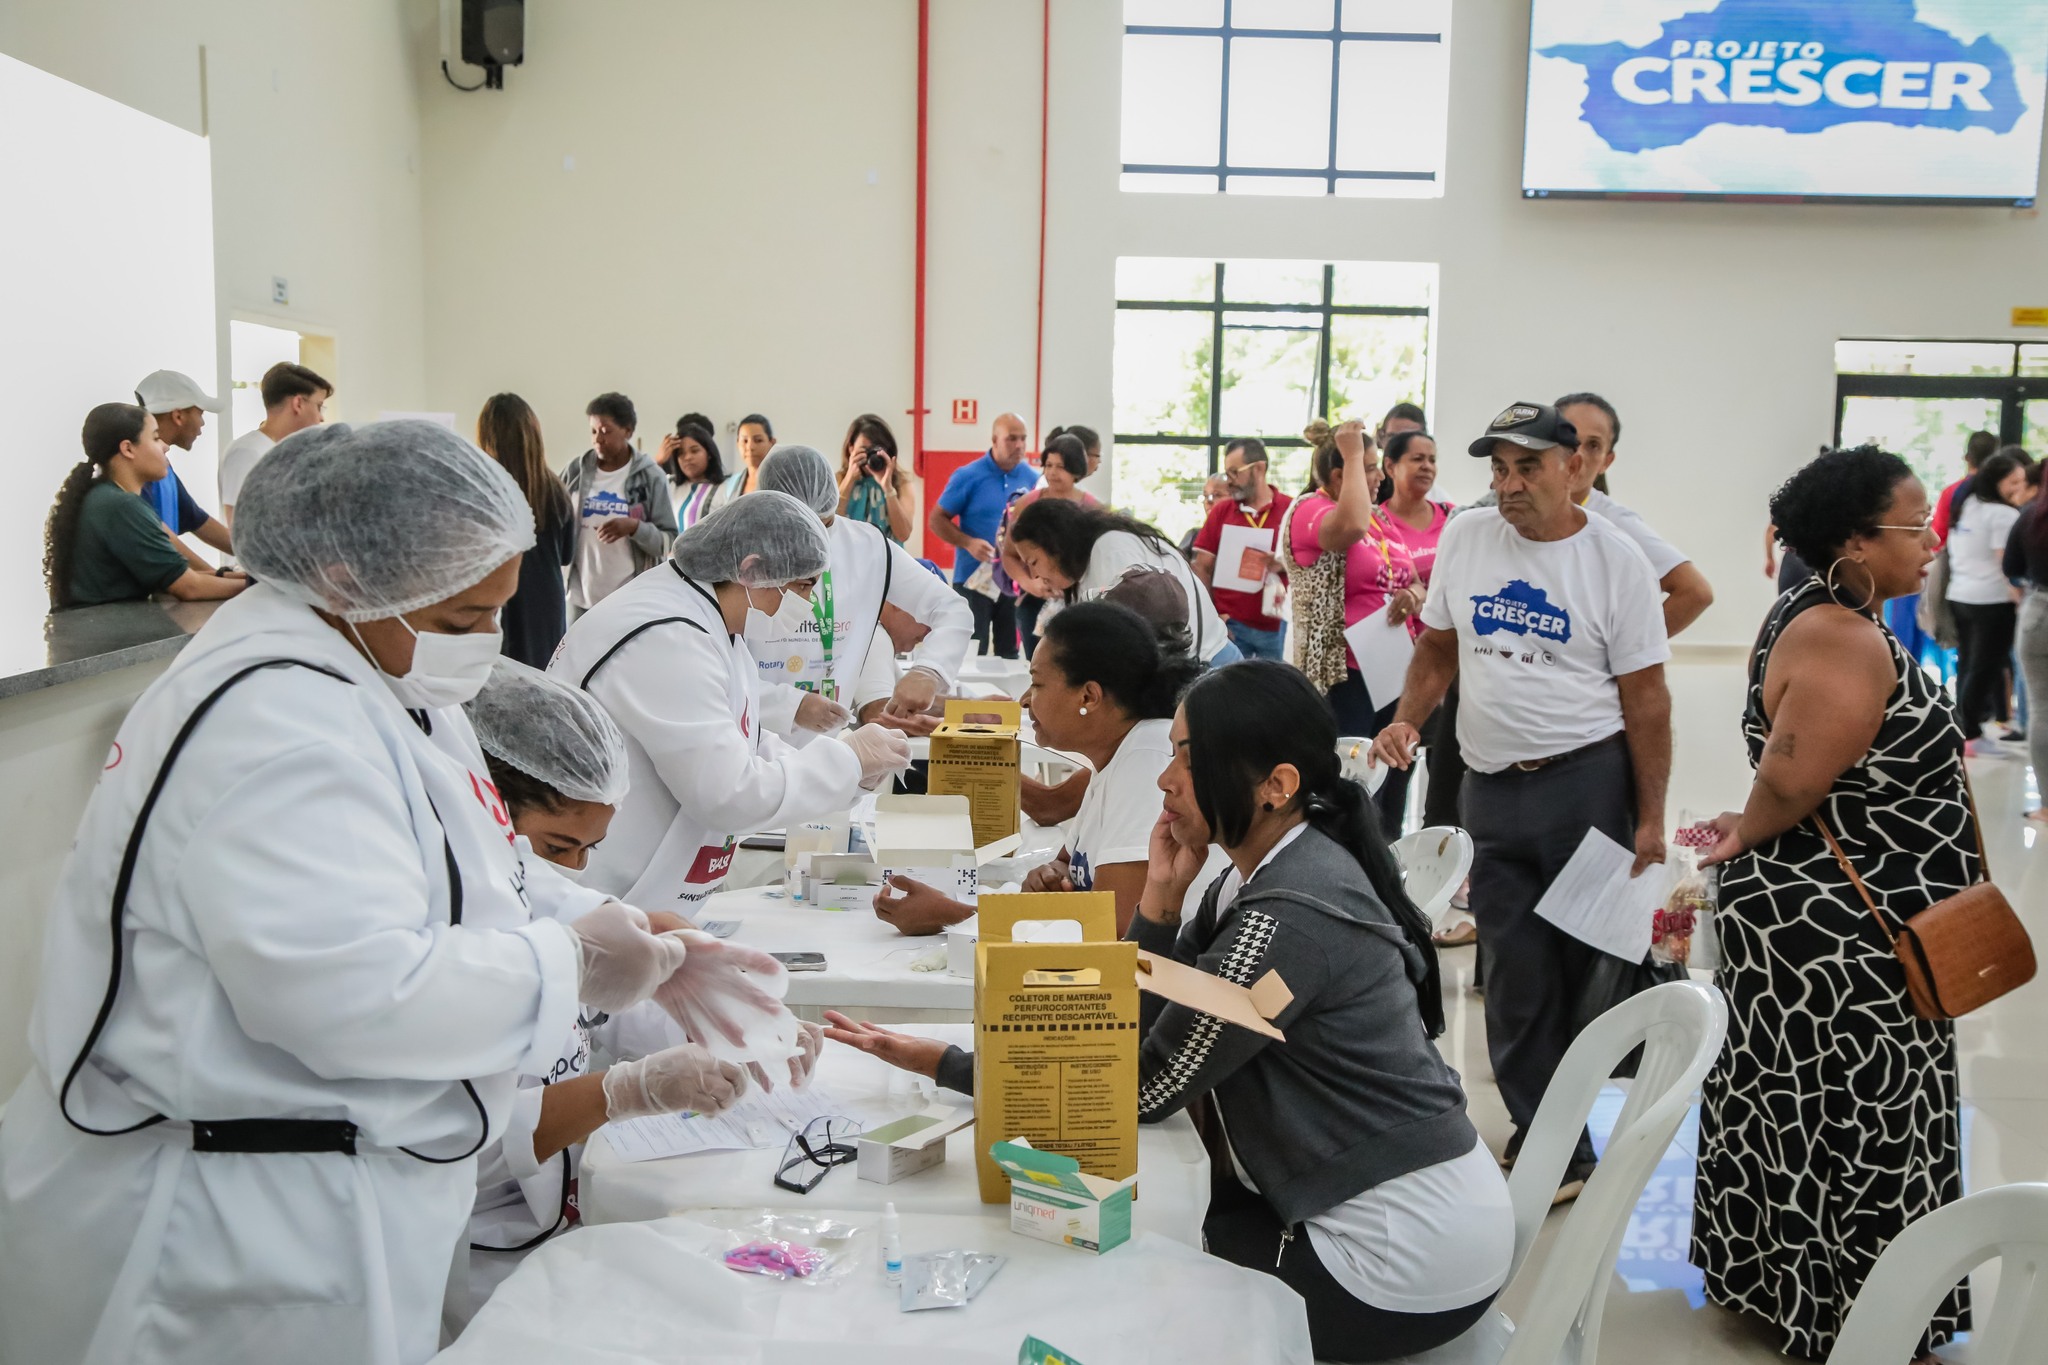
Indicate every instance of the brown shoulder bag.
{"type": "Point", "coordinates": [1963, 951]}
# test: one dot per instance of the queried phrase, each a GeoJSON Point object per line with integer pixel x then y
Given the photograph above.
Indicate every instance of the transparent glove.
{"type": "Point", "coordinates": [728, 999]}
{"type": "Point", "coordinates": [882, 753]}
{"type": "Point", "coordinates": [810, 1039]}
{"type": "Point", "coordinates": [915, 692]}
{"type": "Point", "coordinates": [818, 713]}
{"type": "Point", "coordinates": [619, 962]}
{"type": "Point", "coordinates": [681, 1079]}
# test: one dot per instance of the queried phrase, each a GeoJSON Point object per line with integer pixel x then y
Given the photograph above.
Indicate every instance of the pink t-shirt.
{"type": "Point", "coordinates": [1375, 568]}
{"type": "Point", "coordinates": [1421, 545]}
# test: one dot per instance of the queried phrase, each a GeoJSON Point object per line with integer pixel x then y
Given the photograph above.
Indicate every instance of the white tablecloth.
{"type": "Point", "coordinates": [867, 963]}
{"type": "Point", "coordinates": [1173, 1166]}
{"type": "Point", "coordinates": [634, 1292]}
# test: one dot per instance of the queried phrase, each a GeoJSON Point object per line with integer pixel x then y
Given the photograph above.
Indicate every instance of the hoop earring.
{"type": "Point", "coordinates": [1828, 581]}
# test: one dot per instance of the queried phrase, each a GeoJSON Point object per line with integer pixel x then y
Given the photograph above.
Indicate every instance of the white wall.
{"type": "Point", "coordinates": [314, 122]}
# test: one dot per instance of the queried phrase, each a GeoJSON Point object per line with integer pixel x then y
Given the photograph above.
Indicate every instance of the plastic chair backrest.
{"type": "Point", "coordinates": [1435, 861]}
{"type": "Point", "coordinates": [1681, 1025]}
{"type": "Point", "coordinates": [1351, 752]}
{"type": "Point", "coordinates": [1049, 766]}
{"type": "Point", "coordinates": [1933, 1254]}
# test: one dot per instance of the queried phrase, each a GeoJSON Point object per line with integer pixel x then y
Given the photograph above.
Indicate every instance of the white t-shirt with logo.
{"type": "Point", "coordinates": [1122, 803]}
{"type": "Point", "coordinates": [1116, 553]}
{"type": "Point", "coordinates": [1976, 553]}
{"type": "Point", "coordinates": [603, 567]}
{"type": "Point", "coordinates": [237, 460]}
{"type": "Point", "coordinates": [1662, 554]}
{"type": "Point", "coordinates": [1544, 629]}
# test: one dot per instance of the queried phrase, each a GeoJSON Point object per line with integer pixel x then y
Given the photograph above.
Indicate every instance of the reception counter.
{"type": "Point", "coordinates": [66, 681]}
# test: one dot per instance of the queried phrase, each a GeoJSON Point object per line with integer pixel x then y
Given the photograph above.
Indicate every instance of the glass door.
{"type": "Point", "coordinates": [1928, 433]}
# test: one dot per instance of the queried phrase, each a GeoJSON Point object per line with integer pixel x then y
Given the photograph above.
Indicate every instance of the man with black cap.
{"type": "Point", "coordinates": [1549, 619]}
{"type": "Point", "coordinates": [180, 407]}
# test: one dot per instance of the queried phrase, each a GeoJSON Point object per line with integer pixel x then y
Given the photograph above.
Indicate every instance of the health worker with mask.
{"type": "Point", "coordinates": [293, 971]}
{"type": "Point", "coordinates": [668, 656]}
{"type": "Point", "coordinates": [558, 762]}
{"type": "Point", "coordinates": [812, 674]}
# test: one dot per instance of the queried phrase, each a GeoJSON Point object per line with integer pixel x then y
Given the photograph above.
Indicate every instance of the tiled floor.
{"type": "Point", "coordinates": [1657, 1312]}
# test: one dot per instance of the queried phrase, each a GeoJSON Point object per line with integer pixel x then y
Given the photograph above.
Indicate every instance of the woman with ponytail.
{"type": "Point", "coordinates": [1103, 684]}
{"type": "Point", "coordinates": [1359, 1179]}
{"type": "Point", "coordinates": [103, 542]}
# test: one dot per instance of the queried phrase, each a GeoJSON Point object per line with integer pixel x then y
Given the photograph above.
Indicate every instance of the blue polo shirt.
{"type": "Point", "coordinates": [977, 494]}
{"type": "Point", "coordinates": [174, 506]}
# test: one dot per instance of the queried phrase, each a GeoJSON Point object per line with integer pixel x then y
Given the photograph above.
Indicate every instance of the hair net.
{"type": "Point", "coordinates": [380, 519]}
{"type": "Point", "coordinates": [804, 474]}
{"type": "Point", "coordinates": [762, 540]}
{"type": "Point", "coordinates": [552, 732]}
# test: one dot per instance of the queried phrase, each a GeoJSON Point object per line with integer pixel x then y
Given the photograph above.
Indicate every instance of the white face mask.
{"type": "Point", "coordinates": [792, 616]}
{"type": "Point", "coordinates": [447, 670]}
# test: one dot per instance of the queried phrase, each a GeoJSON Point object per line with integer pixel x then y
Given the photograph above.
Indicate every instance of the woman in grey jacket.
{"type": "Point", "coordinates": [1359, 1180]}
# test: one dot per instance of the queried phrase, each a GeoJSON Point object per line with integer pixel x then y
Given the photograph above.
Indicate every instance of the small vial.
{"type": "Point", "coordinates": [892, 1245]}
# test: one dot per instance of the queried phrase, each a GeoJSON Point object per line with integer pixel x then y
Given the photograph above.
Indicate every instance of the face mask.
{"type": "Point", "coordinates": [791, 617]}
{"type": "Point", "coordinates": [447, 670]}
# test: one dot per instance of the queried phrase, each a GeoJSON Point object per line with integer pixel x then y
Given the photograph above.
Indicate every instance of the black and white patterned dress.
{"type": "Point", "coordinates": [1831, 1120]}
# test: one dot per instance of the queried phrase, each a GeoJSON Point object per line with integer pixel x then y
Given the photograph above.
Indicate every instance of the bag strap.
{"type": "Point", "coordinates": [1891, 937]}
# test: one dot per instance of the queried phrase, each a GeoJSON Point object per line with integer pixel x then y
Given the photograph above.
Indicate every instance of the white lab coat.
{"type": "Point", "coordinates": [288, 954]}
{"type": "Point", "coordinates": [863, 560]}
{"type": "Point", "coordinates": [518, 1197]}
{"type": "Point", "coordinates": [703, 771]}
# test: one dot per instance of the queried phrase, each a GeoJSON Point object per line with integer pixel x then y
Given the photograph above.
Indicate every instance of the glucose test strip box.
{"type": "Point", "coordinates": [974, 754]}
{"type": "Point", "coordinates": [1054, 1200]}
{"type": "Point", "coordinates": [909, 1145]}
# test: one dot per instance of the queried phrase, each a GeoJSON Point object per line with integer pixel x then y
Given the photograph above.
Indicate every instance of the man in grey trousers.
{"type": "Point", "coordinates": [1550, 621]}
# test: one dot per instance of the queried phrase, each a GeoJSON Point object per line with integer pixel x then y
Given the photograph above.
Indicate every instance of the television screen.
{"type": "Point", "coordinates": [1916, 101]}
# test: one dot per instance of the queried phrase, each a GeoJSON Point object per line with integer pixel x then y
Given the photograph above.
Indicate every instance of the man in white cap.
{"type": "Point", "coordinates": [180, 407]}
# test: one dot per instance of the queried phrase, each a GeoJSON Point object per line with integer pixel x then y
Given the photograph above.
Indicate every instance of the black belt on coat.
{"type": "Point", "coordinates": [274, 1135]}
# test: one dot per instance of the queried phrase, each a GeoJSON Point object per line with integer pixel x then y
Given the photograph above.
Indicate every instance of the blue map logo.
{"type": "Point", "coordinates": [1523, 610]}
{"type": "Point", "coordinates": [1799, 67]}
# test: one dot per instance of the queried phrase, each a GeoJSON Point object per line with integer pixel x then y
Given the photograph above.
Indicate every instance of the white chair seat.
{"type": "Point", "coordinates": [1351, 751]}
{"type": "Point", "coordinates": [1434, 861]}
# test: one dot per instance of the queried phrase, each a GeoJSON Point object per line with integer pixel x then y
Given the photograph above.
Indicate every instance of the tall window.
{"type": "Point", "coordinates": [1922, 399]}
{"type": "Point", "coordinates": [1290, 97]}
{"type": "Point", "coordinates": [1297, 340]}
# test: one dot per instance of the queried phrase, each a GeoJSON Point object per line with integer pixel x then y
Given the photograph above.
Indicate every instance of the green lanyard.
{"type": "Point", "coordinates": [828, 629]}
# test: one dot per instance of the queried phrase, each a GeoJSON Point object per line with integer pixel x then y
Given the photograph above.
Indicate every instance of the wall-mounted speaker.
{"type": "Point", "coordinates": [494, 37]}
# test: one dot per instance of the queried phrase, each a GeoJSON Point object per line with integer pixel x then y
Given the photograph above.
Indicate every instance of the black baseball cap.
{"type": "Point", "coordinates": [1533, 426]}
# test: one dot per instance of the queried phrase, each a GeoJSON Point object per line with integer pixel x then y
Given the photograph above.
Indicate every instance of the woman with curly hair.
{"type": "Point", "coordinates": [1831, 1120]}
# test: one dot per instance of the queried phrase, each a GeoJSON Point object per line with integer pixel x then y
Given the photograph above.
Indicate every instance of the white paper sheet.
{"type": "Point", "coordinates": [759, 1120]}
{"type": "Point", "coordinates": [1596, 901]}
{"type": "Point", "coordinates": [1383, 653]}
{"type": "Point", "coordinates": [1230, 566]}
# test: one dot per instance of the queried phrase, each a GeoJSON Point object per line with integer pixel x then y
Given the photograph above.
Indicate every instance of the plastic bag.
{"type": "Point", "coordinates": [945, 1279]}
{"type": "Point", "coordinates": [1682, 933]}
{"type": "Point", "coordinates": [798, 1248]}
{"type": "Point", "coordinates": [728, 998]}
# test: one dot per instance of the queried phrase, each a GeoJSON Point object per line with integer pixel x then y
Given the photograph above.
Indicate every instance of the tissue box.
{"type": "Point", "coordinates": [1054, 1200]}
{"type": "Point", "coordinates": [909, 1145]}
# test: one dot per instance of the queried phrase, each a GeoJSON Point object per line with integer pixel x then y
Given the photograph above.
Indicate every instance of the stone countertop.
{"type": "Point", "coordinates": [66, 646]}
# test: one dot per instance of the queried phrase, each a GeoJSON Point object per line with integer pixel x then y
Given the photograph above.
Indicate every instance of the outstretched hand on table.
{"type": "Point", "coordinates": [899, 1050]}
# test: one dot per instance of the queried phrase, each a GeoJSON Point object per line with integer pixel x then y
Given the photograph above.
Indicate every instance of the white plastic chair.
{"type": "Point", "coordinates": [1932, 1255]}
{"type": "Point", "coordinates": [1351, 752]}
{"type": "Point", "coordinates": [1435, 861]}
{"type": "Point", "coordinates": [1049, 766]}
{"type": "Point", "coordinates": [1681, 1025]}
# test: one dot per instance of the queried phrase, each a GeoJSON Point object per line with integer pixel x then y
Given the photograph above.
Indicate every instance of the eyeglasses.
{"type": "Point", "coordinates": [1920, 530]}
{"type": "Point", "coordinates": [825, 1142]}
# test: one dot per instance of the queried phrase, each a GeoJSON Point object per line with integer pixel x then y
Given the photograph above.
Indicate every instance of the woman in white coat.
{"type": "Point", "coordinates": [292, 974]}
{"type": "Point", "coordinates": [809, 675]}
{"type": "Point", "coordinates": [668, 656]}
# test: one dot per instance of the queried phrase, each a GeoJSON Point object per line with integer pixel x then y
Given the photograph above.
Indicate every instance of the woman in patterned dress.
{"type": "Point", "coordinates": [1831, 1120]}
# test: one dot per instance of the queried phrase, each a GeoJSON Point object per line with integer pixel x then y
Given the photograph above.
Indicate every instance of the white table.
{"type": "Point", "coordinates": [658, 1292]}
{"type": "Point", "coordinates": [867, 962]}
{"type": "Point", "coordinates": [1173, 1166]}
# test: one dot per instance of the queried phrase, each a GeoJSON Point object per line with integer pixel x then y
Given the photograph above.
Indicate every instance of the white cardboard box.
{"type": "Point", "coordinates": [911, 1144]}
{"type": "Point", "coordinates": [931, 839]}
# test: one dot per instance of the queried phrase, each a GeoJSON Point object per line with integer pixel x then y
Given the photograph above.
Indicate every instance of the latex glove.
{"type": "Point", "coordinates": [808, 1044]}
{"type": "Point", "coordinates": [816, 712]}
{"type": "Point", "coordinates": [882, 753]}
{"type": "Point", "coordinates": [915, 692]}
{"type": "Point", "coordinates": [685, 1078]}
{"type": "Point", "coordinates": [725, 992]}
{"type": "Point", "coordinates": [619, 962]}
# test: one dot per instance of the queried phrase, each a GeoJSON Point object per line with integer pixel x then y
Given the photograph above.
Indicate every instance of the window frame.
{"type": "Point", "coordinates": [1216, 306]}
{"type": "Point", "coordinates": [1226, 31]}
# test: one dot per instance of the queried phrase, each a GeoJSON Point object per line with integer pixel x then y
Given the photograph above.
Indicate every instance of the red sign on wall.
{"type": "Point", "coordinates": [966, 411]}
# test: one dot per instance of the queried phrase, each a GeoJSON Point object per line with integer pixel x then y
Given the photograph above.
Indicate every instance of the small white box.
{"type": "Point", "coordinates": [909, 1145]}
